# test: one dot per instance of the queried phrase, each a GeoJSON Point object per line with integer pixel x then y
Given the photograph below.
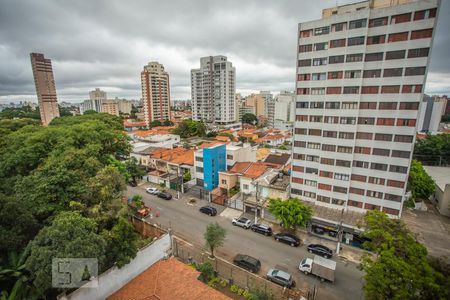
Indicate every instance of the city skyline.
{"type": "Point", "coordinates": [263, 62]}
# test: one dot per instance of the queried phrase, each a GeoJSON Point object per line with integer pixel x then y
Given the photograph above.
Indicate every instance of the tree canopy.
{"type": "Point", "coordinates": [291, 212]}
{"type": "Point", "coordinates": [249, 118]}
{"type": "Point", "coordinates": [399, 269]}
{"type": "Point", "coordinates": [214, 236]}
{"type": "Point", "coordinates": [188, 128]}
{"type": "Point", "coordinates": [420, 183]}
{"type": "Point", "coordinates": [434, 149]}
{"type": "Point", "coordinates": [20, 112]}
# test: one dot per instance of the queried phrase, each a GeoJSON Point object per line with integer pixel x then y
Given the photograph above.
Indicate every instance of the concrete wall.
{"type": "Point", "coordinates": [113, 279]}
{"type": "Point", "coordinates": [442, 199]}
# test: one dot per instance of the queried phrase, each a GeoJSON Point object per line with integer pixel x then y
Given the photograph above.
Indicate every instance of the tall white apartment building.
{"type": "Point", "coordinates": [361, 71]}
{"type": "Point", "coordinates": [213, 88]}
{"type": "Point", "coordinates": [431, 111]}
{"type": "Point", "coordinates": [97, 97]}
{"type": "Point", "coordinates": [155, 93]}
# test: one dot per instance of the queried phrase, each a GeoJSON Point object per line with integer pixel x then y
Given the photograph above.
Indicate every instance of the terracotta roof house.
{"type": "Point", "coordinates": [278, 158]}
{"type": "Point", "coordinates": [273, 139]}
{"type": "Point", "coordinates": [167, 280]}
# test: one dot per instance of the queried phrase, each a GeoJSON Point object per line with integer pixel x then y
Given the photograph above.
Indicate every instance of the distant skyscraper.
{"type": "Point", "coordinates": [213, 89]}
{"type": "Point", "coordinates": [97, 98]}
{"type": "Point", "coordinates": [155, 93]}
{"type": "Point", "coordinates": [45, 87]}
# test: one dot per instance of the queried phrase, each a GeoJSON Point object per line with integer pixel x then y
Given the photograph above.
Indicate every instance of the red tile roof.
{"type": "Point", "coordinates": [180, 156]}
{"type": "Point", "coordinates": [251, 169]}
{"type": "Point", "coordinates": [167, 280]}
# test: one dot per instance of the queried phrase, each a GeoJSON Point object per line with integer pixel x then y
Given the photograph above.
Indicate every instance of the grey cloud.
{"type": "Point", "coordinates": [106, 43]}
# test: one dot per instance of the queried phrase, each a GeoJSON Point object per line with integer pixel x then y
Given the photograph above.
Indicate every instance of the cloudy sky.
{"type": "Point", "coordinates": [106, 43]}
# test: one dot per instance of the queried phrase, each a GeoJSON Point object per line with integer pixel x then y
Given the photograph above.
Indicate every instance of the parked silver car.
{"type": "Point", "coordinates": [242, 222]}
{"type": "Point", "coordinates": [280, 277]}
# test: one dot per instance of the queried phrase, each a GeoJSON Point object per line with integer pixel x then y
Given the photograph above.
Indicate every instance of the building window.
{"type": "Point", "coordinates": [353, 73]}
{"type": "Point", "coordinates": [337, 43]}
{"type": "Point", "coordinates": [372, 73]}
{"type": "Point", "coordinates": [348, 120]}
{"type": "Point", "coordinates": [316, 132]}
{"type": "Point", "coordinates": [366, 121]}
{"type": "Point", "coordinates": [346, 135]}
{"type": "Point", "coordinates": [409, 105]}
{"type": "Point", "coordinates": [355, 41]}
{"type": "Point", "coordinates": [321, 61]}
{"type": "Point", "coordinates": [312, 171]}
{"type": "Point", "coordinates": [383, 137]}
{"type": "Point", "coordinates": [390, 89]}
{"type": "Point", "coordinates": [362, 150]}
{"type": "Point", "coordinates": [387, 105]}
{"type": "Point", "coordinates": [343, 163]}
{"type": "Point", "coordinates": [374, 194]}
{"type": "Point", "coordinates": [224, 181]}
{"type": "Point", "coordinates": [425, 14]}
{"type": "Point", "coordinates": [403, 138]}
{"type": "Point", "coordinates": [304, 62]}
{"type": "Point", "coordinates": [380, 152]}
{"type": "Point", "coordinates": [326, 174]}
{"type": "Point", "coordinates": [349, 105]}
{"type": "Point", "coordinates": [354, 57]}
{"type": "Point", "coordinates": [421, 34]}
{"type": "Point", "coordinates": [310, 183]}
{"type": "Point", "coordinates": [344, 149]}
{"type": "Point", "coordinates": [340, 189]}
{"type": "Point", "coordinates": [301, 118]}
{"type": "Point", "coordinates": [357, 24]}
{"type": "Point", "coordinates": [355, 203]}
{"type": "Point", "coordinates": [360, 178]}
{"type": "Point", "coordinates": [199, 169]}
{"type": "Point", "coordinates": [313, 145]}
{"type": "Point", "coordinates": [361, 164]}
{"type": "Point", "coordinates": [332, 105]}
{"type": "Point", "coordinates": [337, 59]}
{"type": "Point", "coordinates": [364, 135]}
{"type": "Point", "coordinates": [395, 183]}
{"type": "Point", "coordinates": [392, 197]}
{"type": "Point", "coordinates": [386, 121]}
{"type": "Point", "coordinates": [401, 154]}
{"type": "Point", "coordinates": [300, 131]}
{"type": "Point", "coordinates": [305, 48]}
{"type": "Point", "coordinates": [331, 120]}
{"type": "Point", "coordinates": [379, 167]}
{"type": "Point", "coordinates": [398, 54]}
{"type": "Point", "coordinates": [300, 144]}
{"type": "Point", "coordinates": [374, 56]}
{"type": "Point", "coordinates": [415, 71]}
{"type": "Point", "coordinates": [403, 18]}
{"type": "Point", "coordinates": [398, 169]}
{"type": "Point", "coordinates": [302, 104]}
{"type": "Point", "coordinates": [337, 201]}
{"type": "Point", "coordinates": [398, 37]}
{"type": "Point", "coordinates": [370, 89]}
{"type": "Point", "coordinates": [323, 198]}
{"type": "Point", "coordinates": [304, 77]}
{"type": "Point", "coordinates": [315, 119]}
{"type": "Point", "coordinates": [322, 30]}
{"type": "Point", "coordinates": [340, 176]}
{"type": "Point", "coordinates": [335, 75]}
{"type": "Point", "coordinates": [329, 134]}
{"type": "Point", "coordinates": [319, 76]}
{"type": "Point", "coordinates": [298, 169]}
{"type": "Point", "coordinates": [406, 122]}
{"type": "Point", "coordinates": [376, 180]}
{"type": "Point", "coordinates": [325, 187]}
{"type": "Point", "coordinates": [394, 72]}
{"type": "Point", "coordinates": [377, 39]}
{"type": "Point", "coordinates": [351, 90]}
{"type": "Point", "coordinates": [419, 52]}
{"type": "Point", "coordinates": [334, 90]}
{"type": "Point", "coordinates": [199, 158]}
{"type": "Point", "coordinates": [302, 91]}
{"type": "Point", "coordinates": [296, 192]}
{"type": "Point", "coordinates": [327, 161]}
{"type": "Point", "coordinates": [309, 194]}
{"type": "Point", "coordinates": [378, 22]}
{"type": "Point", "coordinates": [413, 88]}
{"type": "Point", "coordinates": [313, 158]}
{"type": "Point", "coordinates": [326, 147]}
{"type": "Point", "coordinates": [305, 33]}
{"type": "Point", "coordinates": [339, 27]}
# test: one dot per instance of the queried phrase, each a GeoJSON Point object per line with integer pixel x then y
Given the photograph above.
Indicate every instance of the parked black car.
{"type": "Point", "coordinates": [320, 250]}
{"type": "Point", "coordinates": [261, 228]}
{"type": "Point", "coordinates": [247, 262]}
{"type": "Point", "coordinates": [209, 210]}
{"type": "Point", "coordinates": [287, 238]}
{"type": "Point", "coordinates": [164, 195]}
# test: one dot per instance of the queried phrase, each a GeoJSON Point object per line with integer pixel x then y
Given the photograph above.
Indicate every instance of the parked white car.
{"type": "Point", "coordinates": [241, 222]}
{"type": "Point", "coordinates": [152, 191]}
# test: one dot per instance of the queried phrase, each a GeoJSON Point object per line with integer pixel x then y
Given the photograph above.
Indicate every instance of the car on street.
{"type": "Point", "coordinates": [320, 250]}
{"type": "Point", "coordinates": [209, 210]}
{"type": "Point", "coordinates": [247, 262]}
{"type": "Point", "coordinates": [287, 238]}
{"type": "Point", "coordinates": [152, 191]}
{"type": "Point", "coordinates": [164, 195]}
{"type": "Point", "coordinates": [262, 229]}
{"type": "Point", "coordinates": [241, 222]}
{"type": "Point", "coordinates": [280, 277]}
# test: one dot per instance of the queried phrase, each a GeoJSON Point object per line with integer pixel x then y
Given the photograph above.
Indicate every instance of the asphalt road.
{"type": "Point", "coordinates": [188, 223]}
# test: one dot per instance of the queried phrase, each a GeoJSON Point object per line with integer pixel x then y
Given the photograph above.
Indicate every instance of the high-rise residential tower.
{"type": "Point", "coordinates": [213, 89]}
{"type": "Point", "coordinates": [361, 70]}
{"type": "Point", "coordinates": [97, 97]}
{"type": "Point", "coordinates": [155, 93]}
{"type": "Point", "coordinates": [45, 87]}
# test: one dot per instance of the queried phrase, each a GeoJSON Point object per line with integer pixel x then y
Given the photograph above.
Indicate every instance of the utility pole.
{"type": "Point", "coordinates": [256, 203]}
{"type": "Point", "coordinates": [339, 235]}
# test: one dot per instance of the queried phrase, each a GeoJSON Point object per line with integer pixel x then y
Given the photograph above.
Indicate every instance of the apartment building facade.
{"type": "Point", "coordinates": [45, 87]}
{"type": "Point", "coordinates": [213, 88]}
{"type": "Point", "coordinates": [155, 93]}
{"type": "Point", "coordinates": [361, 71]}
{"type": "Point", "coordinates": [209, 160]}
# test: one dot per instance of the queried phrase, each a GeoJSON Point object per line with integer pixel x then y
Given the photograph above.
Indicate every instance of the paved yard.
{"type": "Point", "coordinates": [432, 229]}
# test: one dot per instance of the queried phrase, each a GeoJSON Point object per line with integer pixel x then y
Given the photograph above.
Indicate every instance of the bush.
{"type": "Point", "coordinates": [240, 291]}
{"type": "Point", "coordinates": [247, 295]}
{"type": "Point", "coordinates": [213, 282]}
{"type": "Point", "coordinates": [223, 283]}
{"type": "Point", "coordinates": [258, 294]}
{"type": "Point", "coordinates": [207, 272]}
{"type": "Point", "coordinates": [234, 288]}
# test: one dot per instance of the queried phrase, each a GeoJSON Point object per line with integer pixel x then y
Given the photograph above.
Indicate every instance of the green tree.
{"type": "Point", "coordinates": [421, 184]}
{"type": "Point", "coordinates": [167, 123]}
{"type": "Point", "coordinates": [214, 236]}
{"type": "Point", "coordinates": [121, 243]}
{"type": "Point", "coordinates": [249, 118]}
{"type": "Point", "coordinates": [90, 112]}
{"type": "Point", "coordinates": [188, 128]}
{"type": "Point", "coordinates": [133, 169]}
{"type": "Point", "coordinates": [291, 212]}
{"type": "Point", "coordinates": [69, 235]}
{"type": "Point", "coordinates": [434, 149]}
{"type": "Point", "coordinates": [21, 112]}
{"type": "Point", "coordinates": [155, 123]}
{"type": "Point", "coordinates": [187, 176]}
{"type": "Point", "coordinates": [282, 147]}
{"type": "Point", "coordinates": [399, 269]}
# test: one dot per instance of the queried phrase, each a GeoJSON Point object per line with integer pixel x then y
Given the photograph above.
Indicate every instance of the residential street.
{"type": "Point", "coordinates": [188, 223]}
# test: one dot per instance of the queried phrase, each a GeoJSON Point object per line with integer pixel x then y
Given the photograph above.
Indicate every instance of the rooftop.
{"type": "Point", "coordinates": [440, 175]}
{"type": "Point", "coordinates": [278, 158]}
{"type": "Point", "coordinates": [167, 280]}
{"type": "Point", "coordinates": [250, 169]}
{"type": "Point", "coordinates": [178, 156]}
